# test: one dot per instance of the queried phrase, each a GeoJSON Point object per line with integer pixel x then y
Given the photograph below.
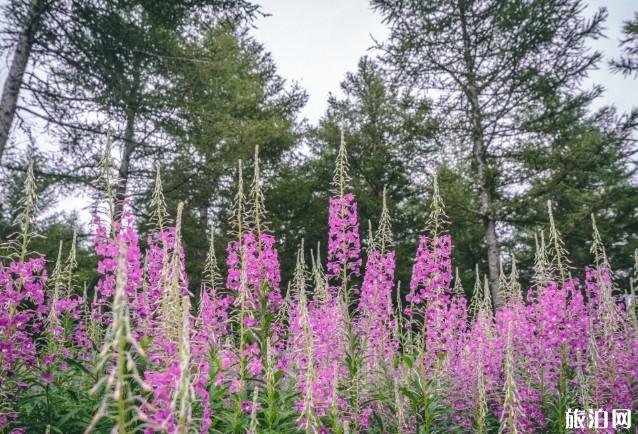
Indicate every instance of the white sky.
{"type": "Point", "coordinates": [315, 42]}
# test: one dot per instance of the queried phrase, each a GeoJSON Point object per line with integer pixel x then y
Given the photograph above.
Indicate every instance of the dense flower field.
{"type": "Point", "coordinates": [142, 354]}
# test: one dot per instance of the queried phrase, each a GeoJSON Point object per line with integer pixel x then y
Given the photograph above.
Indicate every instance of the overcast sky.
{"type": "Point", "coordinates": [315, 42]}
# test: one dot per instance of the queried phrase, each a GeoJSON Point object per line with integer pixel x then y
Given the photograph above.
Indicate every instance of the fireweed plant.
{"type": "Point", "coordinates": [134, 353]}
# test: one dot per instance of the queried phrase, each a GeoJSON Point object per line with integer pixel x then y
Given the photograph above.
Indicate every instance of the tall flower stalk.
{"type": "Point", "coordinates": [25, 220]}
{"type": "Point", "coordinates": [121, 385]}
{"type": "Point", "coordinates": [344, 261]}
{"type": "Point", "coordinates": [375, 321]}
{"type": "Point", "coordinates": [344, 246]}
{"type": "Point", "coordinates": [512, 412]}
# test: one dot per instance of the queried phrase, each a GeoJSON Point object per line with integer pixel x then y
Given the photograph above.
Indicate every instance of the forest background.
{"type": "Point", "coordinates": [505, 101]}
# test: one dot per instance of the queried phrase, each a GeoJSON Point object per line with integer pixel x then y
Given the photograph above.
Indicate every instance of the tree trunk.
{"type": "Point", "coordinates": [203, 214]}
{"type": "Point", "coordinates": [479, 151]}
{"type": "Point", "coordinates": [489, 224]}
{"type": "Point", "coordinates": [13, 82]}
{"type": "Point", "coordinates": [125, 164]}
{"type": "Point", "coordinates": [128, 147]}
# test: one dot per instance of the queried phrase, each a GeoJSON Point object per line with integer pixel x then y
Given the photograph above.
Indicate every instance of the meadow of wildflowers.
{"type": "Point", "coordinates": [335, 350]}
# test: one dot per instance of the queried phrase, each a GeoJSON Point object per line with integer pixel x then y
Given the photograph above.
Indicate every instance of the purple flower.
{"type": "Point", "coordinates": [344, 247]}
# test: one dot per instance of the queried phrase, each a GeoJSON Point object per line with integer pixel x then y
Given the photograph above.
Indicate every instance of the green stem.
{"type": "Point", "coordinates": [121, 370]}
{"type": "Point", "coordinates": [48, 405]}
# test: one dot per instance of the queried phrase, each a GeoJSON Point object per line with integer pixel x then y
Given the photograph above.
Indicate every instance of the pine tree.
{"type": "Point", "coordinates": [628, 64]}
{"type": "Point", "coordinates": [109, 72]}
{"type": "Point", "coordinates": [389, 135]}
{"type": "Point", "coordinates": [583, 164]}
{"type": "Point", "coordinates": [491, 62]}
{"type": "Point", "coordinates": [229, 101]}
{"type": "Point", "coordinates": [30, 18]}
